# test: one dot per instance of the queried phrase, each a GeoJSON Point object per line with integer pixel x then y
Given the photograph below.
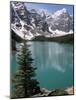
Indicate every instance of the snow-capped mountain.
{"type": "Point", "coordinates": [38, 23]}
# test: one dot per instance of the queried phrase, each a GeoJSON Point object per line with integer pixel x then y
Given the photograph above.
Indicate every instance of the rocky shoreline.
{"type": "Point", "coordinates": [70, 90]}
{"type": "Point", "coordinates": [57, 92]}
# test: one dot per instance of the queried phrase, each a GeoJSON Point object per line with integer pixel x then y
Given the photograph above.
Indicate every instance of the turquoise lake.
{"type": "Point", "coordinates": [54, 62]}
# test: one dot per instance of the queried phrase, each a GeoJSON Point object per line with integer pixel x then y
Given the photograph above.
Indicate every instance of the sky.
{"type": "Point", "coordinates": [51, 8]}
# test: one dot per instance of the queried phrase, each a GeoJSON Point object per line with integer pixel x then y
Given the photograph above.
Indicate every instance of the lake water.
{"type": "Point", "coordinates": [54, 62]}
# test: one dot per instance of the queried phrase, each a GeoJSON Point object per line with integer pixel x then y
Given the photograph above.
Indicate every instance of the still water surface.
{"type": "Point", "coordinates": [54, 62]}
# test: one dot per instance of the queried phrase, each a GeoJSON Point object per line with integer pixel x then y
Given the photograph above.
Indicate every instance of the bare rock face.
{"type": "Point", "coordinates": [36, 23]}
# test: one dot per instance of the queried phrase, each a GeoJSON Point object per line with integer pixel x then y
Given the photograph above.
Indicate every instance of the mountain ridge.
{"type": "Point", "coordinates": [32, 24]}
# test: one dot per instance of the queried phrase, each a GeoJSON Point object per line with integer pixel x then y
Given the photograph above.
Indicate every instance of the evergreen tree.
{"type": "Point", "coordinates": [24, 82]}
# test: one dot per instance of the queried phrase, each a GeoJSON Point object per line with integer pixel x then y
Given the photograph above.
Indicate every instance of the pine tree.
{"type": "Point", "coordinates": [24, 82]}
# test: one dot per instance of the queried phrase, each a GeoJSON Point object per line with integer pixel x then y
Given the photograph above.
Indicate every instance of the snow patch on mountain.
{"type": "Point", "coordinates": [59, 12]}
{"type": "Point", "coordinates": [59, 33]}
{"type": "Point", "coordinates": [40, 22]}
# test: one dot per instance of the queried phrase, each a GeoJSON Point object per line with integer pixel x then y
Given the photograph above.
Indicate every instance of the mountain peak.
{"type": "Point", "coordinates": [40, 22]}
{"type": "Point", "coordinates": [64, 10]}
{"type": "Point", "coordinates": [60, 12]}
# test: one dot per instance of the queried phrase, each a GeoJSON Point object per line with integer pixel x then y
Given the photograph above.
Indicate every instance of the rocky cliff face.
{"type": "Point", "coordinates": [34, 23]}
